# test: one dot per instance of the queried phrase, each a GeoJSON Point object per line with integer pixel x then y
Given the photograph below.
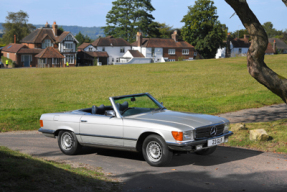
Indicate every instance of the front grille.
{"type": "Point", "coordinates": [204, 132]}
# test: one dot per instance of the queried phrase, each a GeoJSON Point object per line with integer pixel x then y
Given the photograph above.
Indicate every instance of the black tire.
{"type": "Point", "coordinates": [206, 151]}
{"type": "Point", "coordinates": [68, 143]}
{"type": "Point", "coordinates": [155, 151]}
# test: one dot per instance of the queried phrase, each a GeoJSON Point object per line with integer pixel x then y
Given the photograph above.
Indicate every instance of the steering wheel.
{"type": "Point", "coordinates": [127, 109]}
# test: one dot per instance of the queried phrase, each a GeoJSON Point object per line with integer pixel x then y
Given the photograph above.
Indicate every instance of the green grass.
{"type": "Point", "coordinates": [20, 172]}
{"type": "Point", "coordinates": [203, 86]}
{"type": "Point", "coordinates": [275, 129]}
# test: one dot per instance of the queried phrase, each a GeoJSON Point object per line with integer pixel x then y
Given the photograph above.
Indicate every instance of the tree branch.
{"type": "Point", "coordinates": [285, 2]}
{"type": "Point", "coordinates": [255, 56]}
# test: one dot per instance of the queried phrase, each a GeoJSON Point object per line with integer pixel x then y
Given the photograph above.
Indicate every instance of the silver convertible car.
{"type": "Point", "coordinates": [136, 123]}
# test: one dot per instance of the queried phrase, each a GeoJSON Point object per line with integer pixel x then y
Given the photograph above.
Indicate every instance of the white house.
{"type": "Point", "coordinates": [133, 57]}
{"type": "Point", "coordinates": [162, 50]}
{"type": "Point", "coordinates": [234, 47]}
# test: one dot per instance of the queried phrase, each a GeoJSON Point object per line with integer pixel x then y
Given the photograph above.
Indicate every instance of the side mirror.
{"type": "Point", "coordinates": [110, 113]}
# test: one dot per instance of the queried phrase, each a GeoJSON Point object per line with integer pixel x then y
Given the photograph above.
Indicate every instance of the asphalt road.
{"type": "Point", "coordinates": [228, 169]}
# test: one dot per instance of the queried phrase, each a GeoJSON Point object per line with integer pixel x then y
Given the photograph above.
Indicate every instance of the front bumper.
{"type": "Point", "coordinates": [191, 145]}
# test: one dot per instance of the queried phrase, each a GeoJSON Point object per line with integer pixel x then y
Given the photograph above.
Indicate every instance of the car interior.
{"type": "Point", "coordinates": [102, 109]}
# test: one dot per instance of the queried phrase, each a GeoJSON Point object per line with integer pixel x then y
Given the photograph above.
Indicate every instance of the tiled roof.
{"type": "Point", "coordinates": [63, 36]}
{"type": "Point", "coordinates": [13, 47]}
{"type": "Point", "coordinates": [243, 43]}
{"type": "Point", "coordinates": [97, 53]}
{"type": "Point", "coordinates": [27, 50]}
{"type": "Point", "coordinates": [165, 43]}
{"type": "Point", "coordinates": [50, 52]}
{"type": "Point", "coordinates": [136, 53]}
{"type": "Point", "coordinates": [110, 41]}
{"type": "Point", "coordinates": [38, 35]}
{"type": "Point", "coordinates": [269, 48]}
{"type": "Point", "coordinates": [279, 43]}
{"type": "Point", "coordinates": [84, 45]}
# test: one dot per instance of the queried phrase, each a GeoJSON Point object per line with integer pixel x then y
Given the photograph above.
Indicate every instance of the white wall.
{"type": "Point", "coordinates": [136, 60]}
{"type": "Point", "coordinates": [147, 52]}
{"type": "Point", "coordinates": [90, 46]}
{"type": "Point", "coordinates": [220, 53]}
{"type": "Point", "coordinates": [114, 52]}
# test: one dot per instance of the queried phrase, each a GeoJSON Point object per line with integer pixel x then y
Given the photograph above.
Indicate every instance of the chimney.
{"type": "Point", "coordinates": [14, 38]}
{"type": "Point", "coordinates": [139, 39]}
{"type": "Point", "coordinates": [274, 46]}
{"type": "Point", "coordinates": [47, 25]}
{"type": "Point", "coordinates": [228, 51]}
{"type": "Point", "coordinates": [174, 36]}
{"type": "Point", "coordinates": [55, 28]}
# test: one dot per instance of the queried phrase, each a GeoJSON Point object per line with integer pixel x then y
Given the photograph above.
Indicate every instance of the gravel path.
{"type": "Point", "coordinates": [263, 114]}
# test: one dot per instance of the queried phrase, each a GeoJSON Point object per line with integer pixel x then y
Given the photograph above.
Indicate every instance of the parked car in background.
{"type": "Point", "coordinates": [139, 123]}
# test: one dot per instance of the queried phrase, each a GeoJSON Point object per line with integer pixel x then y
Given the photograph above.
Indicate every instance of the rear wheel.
{"type": "Point", "coordinates": [68, 143]}
{"type": "Point", "coordinates": [206, 151]}
{"type": "Point", "coordinates": [155, 151]}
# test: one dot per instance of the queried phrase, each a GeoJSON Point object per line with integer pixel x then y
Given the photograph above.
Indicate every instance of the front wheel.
{"type": "Point", "coordinates": [155, 151]}
{"type": "Point", "coordinates": [206, 151]}
{"type": "Point", "coordinates": [68, 143]}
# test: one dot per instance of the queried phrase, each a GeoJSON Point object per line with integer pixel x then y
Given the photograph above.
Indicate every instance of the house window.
{"type": "Point", "coordinates": [103, 49]}
{"type": "Point", "coordinates": [240, 50]}
{"type": "Point", "coordinates": [171, 51]}
{"type": "Point", "coordinates": [42, 61]}
{"type": "Point", "coordinates": [90, 48]}
{"type": "Point", "coordinates": [113, 60]}
{"type": "Point", "coordinates": [68, 45]}
{"type": "Point", "coordinates": [122, 50]}
{"type": "Point", "coordinates": [171, 60]}
{"type": "Point", "coordinates": [117, 60]}
{"type": "Point", "coordinates": [47, 43]}
{"type": "Point", "coordinates": [70, 58]}
{"type": "Point", "coordinates": [185, 51]}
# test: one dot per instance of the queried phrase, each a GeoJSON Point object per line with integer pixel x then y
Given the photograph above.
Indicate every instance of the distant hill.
{"type": "Point", "coordinates": [92, 32]}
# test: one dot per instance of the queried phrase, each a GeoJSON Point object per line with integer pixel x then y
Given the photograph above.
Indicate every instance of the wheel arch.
{"type": "Point", "coordinates": [143, 136]}
{"type": "Point", "coordinates": [56, 133]}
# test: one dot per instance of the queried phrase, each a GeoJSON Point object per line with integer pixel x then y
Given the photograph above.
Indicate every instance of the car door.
{"type": "Point", "coordinates": [101, 130]}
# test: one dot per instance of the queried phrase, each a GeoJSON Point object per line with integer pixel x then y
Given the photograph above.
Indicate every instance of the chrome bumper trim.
{"type": "Point", "coordinates": [187, 146]}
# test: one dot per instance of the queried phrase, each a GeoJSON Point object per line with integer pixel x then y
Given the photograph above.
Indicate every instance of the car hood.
{"type": "Point", "coordinates": [173, 118]}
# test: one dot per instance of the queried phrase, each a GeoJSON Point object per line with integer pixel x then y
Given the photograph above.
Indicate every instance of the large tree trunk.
{"type": "Point", "coordinates": [255, 56]}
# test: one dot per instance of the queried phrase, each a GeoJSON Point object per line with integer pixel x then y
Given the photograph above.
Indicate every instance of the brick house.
{"type": "Point", "coordinates": [162, 50]}
{"type": "Point", "coordinates": [24, 54]}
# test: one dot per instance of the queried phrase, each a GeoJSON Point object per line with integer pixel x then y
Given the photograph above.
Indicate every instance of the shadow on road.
{"type": "Point", "coordinates": [204, 181]}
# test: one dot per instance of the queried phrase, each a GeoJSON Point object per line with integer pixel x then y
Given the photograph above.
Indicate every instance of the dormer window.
{"type": "Point", "coordinates": [122, 50]}
{"type": "Point", "coordinates": [90, 48]}
{"type": "Point", "coordinates": [103, 49]}
{"type": "Point", "coordinates": [47, 43]}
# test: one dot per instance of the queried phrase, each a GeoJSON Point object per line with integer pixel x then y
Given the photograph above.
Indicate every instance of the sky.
{"type": "Point", "coordinates": [88, 13]}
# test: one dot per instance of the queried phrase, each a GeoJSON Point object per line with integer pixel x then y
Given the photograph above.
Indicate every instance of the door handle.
{"type": "Point", "coordinates": [84, 121]}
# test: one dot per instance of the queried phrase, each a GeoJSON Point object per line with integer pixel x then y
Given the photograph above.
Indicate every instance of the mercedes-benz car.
{"type": "Point", "coordinates": [137, 123]}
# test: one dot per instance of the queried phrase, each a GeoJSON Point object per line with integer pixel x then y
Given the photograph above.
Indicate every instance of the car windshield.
{"type": "Point", "coordinates": [133, 105]}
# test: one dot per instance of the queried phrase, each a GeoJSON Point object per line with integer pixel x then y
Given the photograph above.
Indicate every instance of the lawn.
{"type": "Point", "coordinates": [20, 172]}
{"type": "Point", "coordinates": [275, 129]}
{"type": "Point", "coordinates": [203, 86]}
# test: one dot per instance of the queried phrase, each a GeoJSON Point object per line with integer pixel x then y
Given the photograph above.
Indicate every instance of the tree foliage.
{"type": "Point", "coordinates": [270, 30]}
{"type": "Point", "coordinates": [16, 24]}
{"type": "Point", "coordinates": [202, 29]}
{"type": "Point", "coordinates": [83, 39]}
{"type": "Point", "coordinates": [129, 16]}
{"type": "Point", "coordinates": [239, 33]}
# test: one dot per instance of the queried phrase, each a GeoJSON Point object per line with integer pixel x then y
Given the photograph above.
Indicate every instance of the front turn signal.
{"type": "Point", "coordinates": [41, 123]}
{"type": "Point", "coordinates": [177, 135]}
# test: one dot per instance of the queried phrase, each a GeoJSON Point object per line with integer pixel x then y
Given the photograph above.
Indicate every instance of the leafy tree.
{"type": "Point", "coordinates": [202, 29]}
{"type": "Point", "coordinates": [255, 55]}
{"type": "Point", "coordinates": [239, 33]}
{"type": "Point", "coordinates": [129, 16]}
{"type": "Point", "coordinates": [82, 39]}
{"type": "Point", "coordinates": [16, 24]}
{"type": "Point", "coordinates": [271, 32]}
{"type": "Point", "coordinates": [61, 29]}
{"type": "Point", "coordinates": [165, 30]}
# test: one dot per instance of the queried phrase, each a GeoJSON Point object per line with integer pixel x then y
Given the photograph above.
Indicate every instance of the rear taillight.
{"type": "Point", "coordinates": [41, 123]}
